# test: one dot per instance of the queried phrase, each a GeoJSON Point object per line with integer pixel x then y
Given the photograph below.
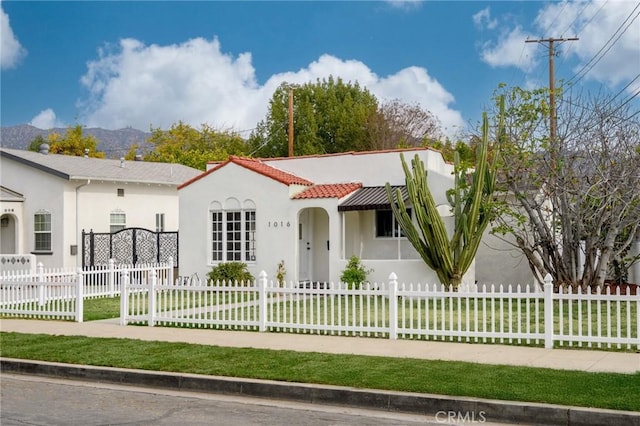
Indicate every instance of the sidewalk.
{"type": "Point", "coordinates": [560, 359]}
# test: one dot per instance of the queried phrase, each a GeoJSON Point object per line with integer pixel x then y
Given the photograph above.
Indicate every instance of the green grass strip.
{"type": "Point", "coordinates": [598, 390]}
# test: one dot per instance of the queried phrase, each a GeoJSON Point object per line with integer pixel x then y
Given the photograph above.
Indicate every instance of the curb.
{"type": "Point", "coordinates": [463, 409]}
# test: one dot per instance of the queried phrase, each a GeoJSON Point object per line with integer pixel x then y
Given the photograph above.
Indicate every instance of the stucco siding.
{"type": "Point", "coordinates": [86, 204]}
{"type": "Point", "coordinates": [499, 262]}
{"type": "Point", "coordinates": [372, 169]}
{"type": "Point", "coordinates": [275, 219]}
{"type": "Point", "coordinates": [42, 193]}
{"type": "Point", "coordinates": [140, 203]}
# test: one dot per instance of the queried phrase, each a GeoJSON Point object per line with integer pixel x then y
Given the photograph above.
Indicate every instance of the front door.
{"type": "Point", "coordinates": [304, 246]}
{"type": "Point", "coordinates": [8, 234]}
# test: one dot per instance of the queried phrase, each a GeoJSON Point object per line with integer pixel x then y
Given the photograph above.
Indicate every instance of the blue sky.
{"type": "Point", "coordinates": [151, 64]}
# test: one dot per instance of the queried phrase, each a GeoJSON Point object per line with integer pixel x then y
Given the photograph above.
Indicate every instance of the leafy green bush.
{"type": "Point", "coordinates": [355, 274]}
{"type": "Point", "coordinates": [229, 273]}
{"type": "Point", "coordinates": [281, 273]}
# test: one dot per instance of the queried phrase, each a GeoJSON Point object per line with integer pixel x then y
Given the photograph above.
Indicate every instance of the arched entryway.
{"type": "Point", "coordinates": [8, 234]}
{"type": "Point", "coordinates": [313, 245]}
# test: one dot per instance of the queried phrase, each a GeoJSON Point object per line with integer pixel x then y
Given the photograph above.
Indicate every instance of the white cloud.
{"type": "Point", "coordinates": [483, 19]}
{"type": "Point", "coordinates": [608, 49]}
{"type": "Point", "coordinates": [46, 119]}
{"type": "Point", "coordinates": [405, 4]}
{"type": "Point", "coordinates": [195, 82]}
{"type": "Point", "coordinates": [509, 51]}
{"type": "Point", "coordinates": [11, 52]}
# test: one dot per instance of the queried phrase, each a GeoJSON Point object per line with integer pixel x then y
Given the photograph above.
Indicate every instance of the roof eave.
{"type": "Point", "coordinates": [35, 165]}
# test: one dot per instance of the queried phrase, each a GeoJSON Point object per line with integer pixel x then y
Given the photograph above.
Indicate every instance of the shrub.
{"type": "Point", "coordinates": [281, 273]}
{"type": "Point", "coordinates": [229, 273]}
{"type": "Point", "coordinates": [355, 273]}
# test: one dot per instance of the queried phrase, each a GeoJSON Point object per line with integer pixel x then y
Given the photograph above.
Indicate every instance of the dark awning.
{"type": "Point", "coordinates": [371, 198]}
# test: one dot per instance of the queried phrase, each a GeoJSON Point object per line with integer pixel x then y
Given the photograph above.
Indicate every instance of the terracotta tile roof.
{"type": "Point", "coordinates": [258, 167]}
{"type": "Point", "coordinates": [333, 190]}
{"type": "Point", "coordinates": [269, 171]}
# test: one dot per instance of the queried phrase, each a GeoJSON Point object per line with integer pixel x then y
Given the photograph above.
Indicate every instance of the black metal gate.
{"type": "Point", "coordinates": [129, 246]}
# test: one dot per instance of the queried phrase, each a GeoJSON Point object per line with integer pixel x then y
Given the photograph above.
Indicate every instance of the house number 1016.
{"type": "Point", "coordinates": [281, 224]}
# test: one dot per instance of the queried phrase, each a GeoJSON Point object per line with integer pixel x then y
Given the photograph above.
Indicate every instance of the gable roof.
{"type": "Point", "coordinates": [70, 167]}
{"type": "Point", "coordinates": [7, 194]}
{"type": "Point", "coordinates": [334, 190]}
{"type": "Point", "coordinates": [257, 166]}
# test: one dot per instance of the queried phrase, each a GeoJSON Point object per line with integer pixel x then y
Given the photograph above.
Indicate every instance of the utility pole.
{"type": "Point", "coordinates": [552, 89]}
{"type": "Point", "coordinates": [553, 147]}
{"type": "Point", "coordinates": [290, 121]}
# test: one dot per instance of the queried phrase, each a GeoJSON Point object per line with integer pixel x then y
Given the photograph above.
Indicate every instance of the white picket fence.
{"type": "Point", "coordinates": [505, 315]}
{"type": "Point", "coordinates": [59, 293]}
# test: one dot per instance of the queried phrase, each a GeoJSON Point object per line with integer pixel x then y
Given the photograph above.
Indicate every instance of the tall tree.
{"type": "Point", "coordinates": [397, 124]}
{"type": "Point", "coordinates": [472, 203]}
{"type": "Point", "coordinates": [192, 147]}
{"type": "Point", "coordinates": [73, 142]}
{"type": "Point", "coordinates": [329, 116]}
{"type": "Point", "coordinates": [572, 204]}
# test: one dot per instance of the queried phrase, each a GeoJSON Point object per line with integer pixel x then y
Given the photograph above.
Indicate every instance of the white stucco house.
{"type": "Point", "coordinates": [47, 200]}
{"type": "Point", "coordinates": [312, 212]}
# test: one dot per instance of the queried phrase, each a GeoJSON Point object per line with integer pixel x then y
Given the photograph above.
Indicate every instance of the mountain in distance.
{"type": "Point", "coordinates": [114, 143]}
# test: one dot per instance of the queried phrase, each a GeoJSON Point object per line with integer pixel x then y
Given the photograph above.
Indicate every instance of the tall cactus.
{"type": "Point", "coordinates": [471, 199]}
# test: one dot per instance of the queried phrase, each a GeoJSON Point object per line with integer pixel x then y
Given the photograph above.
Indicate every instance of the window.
{"type": "Point", "coordinates": [120, 192]}
{"type": "Point", "coordinates": [42, 231]}
{"type": "Point", "coordinates": [233, 236]}
{"type": "Point", "coordinates": [216, 236]}
{"type": "Point", "coordinates": [386, 225]}
{"type": "Point", "coordinates": [250, 235]}
{"type": "Point", "coordinates": [117, 221]}
{"type": "Point", "coordinates": [159, 222]}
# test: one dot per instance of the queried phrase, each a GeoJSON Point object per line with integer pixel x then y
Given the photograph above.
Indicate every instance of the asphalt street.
{"type": "Point", "coordinates": [32, 400]}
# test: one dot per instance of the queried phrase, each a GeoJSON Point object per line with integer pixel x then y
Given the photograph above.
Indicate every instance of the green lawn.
{"type": "Point", "coordinates": [601, 390]}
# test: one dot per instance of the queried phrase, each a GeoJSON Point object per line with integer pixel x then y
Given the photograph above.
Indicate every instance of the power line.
{"type": "Point", "coordinates": [546, 31]}
{"type": "Point", "coordinates": [552, 102]}
{"type": "Point", "coordinates": [578, 15]}
{"type": "Point", "coordinates": [588, 66]}
{"type": "Point", "coordinates": [593, 17]}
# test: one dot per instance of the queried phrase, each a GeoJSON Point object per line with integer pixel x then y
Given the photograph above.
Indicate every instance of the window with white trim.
{"type": "Point", "coordinates": [387, 226]}
{"type": "Point", "coordinates": [117, 221]}
{"type": "Point", "coordinates": [233, 236]}
{"type": "Point", "coordinates": [42, 231]}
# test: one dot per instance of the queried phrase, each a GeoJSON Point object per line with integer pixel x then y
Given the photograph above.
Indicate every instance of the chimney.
{"type": "Point", "coordinates": [43, 149]}
{"type": "Point", "coordinates": [86, 153]}
{"type": "Point", "coordinates": [122, 162]}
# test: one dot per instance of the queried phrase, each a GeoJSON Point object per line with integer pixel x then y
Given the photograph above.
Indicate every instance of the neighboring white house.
{"type": "Point", "coordinates": [47, 200]}
{"type": "Point", "coordinates": [312, 212]}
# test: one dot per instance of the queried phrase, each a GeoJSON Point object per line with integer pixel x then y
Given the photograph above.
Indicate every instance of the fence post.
{"type": "Point", "coordinates": [111, 277]}
{"type": "Point", "coordinates": [548, 311]}
{"type": "Point", "coordinates": [124, 295]}
{"type": "Point", "coordinates": [393, 306]}
{"type": "Point", "coordinates": [79, 295]}
{"type": "Point", "coordinates": [151, 285]}
{"type": "Point", "coordinates": [40, 283]}
{"type": "Point", "coordinates": [262, 301]}
{"type": "Point", "coordinates": [170, 273]}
